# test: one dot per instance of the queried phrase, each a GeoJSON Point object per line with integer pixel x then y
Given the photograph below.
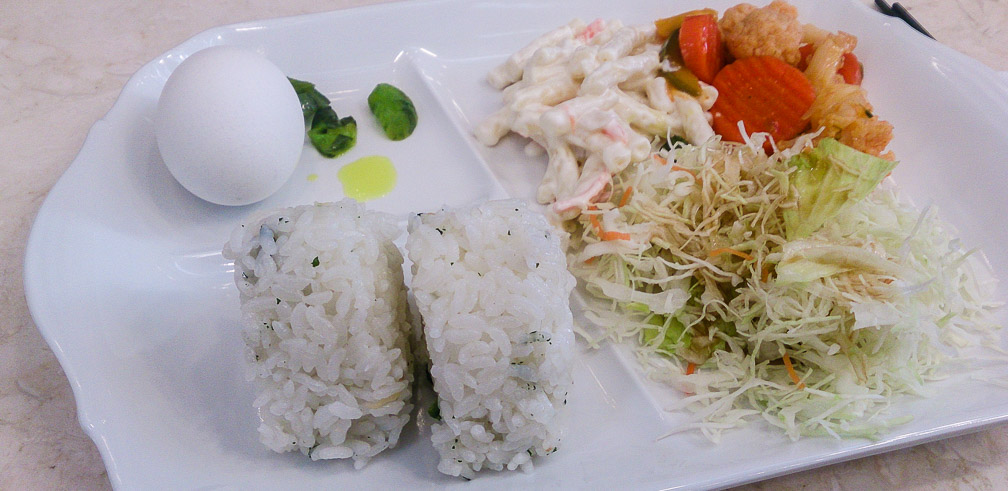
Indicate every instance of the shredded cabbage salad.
{"type": "Point", "coordinates": [799, 288]}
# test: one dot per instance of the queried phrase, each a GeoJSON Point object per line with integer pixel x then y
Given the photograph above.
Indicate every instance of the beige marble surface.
{"type": "Point", "coordinates": [62, 65]}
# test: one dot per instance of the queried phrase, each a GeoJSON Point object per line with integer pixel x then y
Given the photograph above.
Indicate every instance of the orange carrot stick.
{"type": "Point", "coordinates": [729, 250]}
{"type": "Point", "coordinates": [603, 234]}
{"type": "Point", "coordinates": [791, 372]}
{"type": "Point", "coordinates": [626, 196]}
{"type": "Point", "coordinates": [692, 173]}
{"type": "Point", "coordinates": [610, 235]}
{"type": "Point", "coordinates": [593, 219]}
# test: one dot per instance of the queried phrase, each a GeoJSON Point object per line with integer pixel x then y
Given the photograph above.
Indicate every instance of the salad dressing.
{"type": "Point", "coordinates": [368, 178]}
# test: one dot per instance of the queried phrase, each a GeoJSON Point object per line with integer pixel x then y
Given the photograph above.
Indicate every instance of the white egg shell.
{"type": "Point", "coordinates": [229, 126]}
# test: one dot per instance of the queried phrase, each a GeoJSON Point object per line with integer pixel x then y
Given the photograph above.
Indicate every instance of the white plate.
{"type": "Point", "coordinates": [124, 276]}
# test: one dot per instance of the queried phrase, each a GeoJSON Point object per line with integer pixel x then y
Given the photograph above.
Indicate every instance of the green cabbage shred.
{"type": "Point", "coordinates": [737, 258]}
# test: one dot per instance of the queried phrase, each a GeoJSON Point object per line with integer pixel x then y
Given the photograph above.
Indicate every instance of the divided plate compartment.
{"type": "Point", "coordinates": [125, 279]}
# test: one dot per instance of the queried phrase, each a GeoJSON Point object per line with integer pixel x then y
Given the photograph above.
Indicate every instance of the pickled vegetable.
{"type": "Point", "coordinates": [665, 27]}
{"type": "Point", "coordinates": [331, 135]}
{"type": "Point", "coordinates": [394, 111]}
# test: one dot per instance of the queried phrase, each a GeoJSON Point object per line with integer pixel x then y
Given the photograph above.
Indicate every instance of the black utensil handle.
{"type": "Point", "coordinates": [904, 14]}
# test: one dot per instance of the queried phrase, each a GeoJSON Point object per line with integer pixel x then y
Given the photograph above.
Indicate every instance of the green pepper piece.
{"type": "Point", "coordinates": [671, 51]}
{"type": "Point", "coordinates": [684, 80]}
{"type": "Point", "coordinates": [679, 77]}
{"type": "Point", "coordinates": [311, 99]}
{"type": "Point", "coordinates": [669, 25]}
{"type": "Point", "coordinates": [331, 135]}
{"type": "Point", "coordinates": [394, 111]}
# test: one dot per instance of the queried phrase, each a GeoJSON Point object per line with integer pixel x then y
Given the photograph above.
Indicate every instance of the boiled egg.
{"type": "Point", "coordinates": [229, 126]}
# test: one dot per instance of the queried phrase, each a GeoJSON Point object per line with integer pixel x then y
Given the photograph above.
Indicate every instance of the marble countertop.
{"type": "Point", "coordinates": [62, 65]}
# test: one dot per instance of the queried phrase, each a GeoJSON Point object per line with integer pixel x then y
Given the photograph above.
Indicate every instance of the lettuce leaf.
{"type": "Point", "coordinates": [674, 334]}
{"type": "Point", "coordinates": [809, 259]}
{"type": "Point", "coordinates": [828, 179]}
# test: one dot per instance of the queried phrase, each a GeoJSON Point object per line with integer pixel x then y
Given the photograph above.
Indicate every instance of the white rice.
{"type": "Point", "coordinates": [492, 287]}
{"type": "Point", "coordinates": [326, 325]}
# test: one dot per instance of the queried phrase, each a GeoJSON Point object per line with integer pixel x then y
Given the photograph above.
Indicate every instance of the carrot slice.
{"type": "Point", "coordinates": [665, 27]}
{"type": "Point", "coordinates": [700, 44]}
{"type": "Point", "coordinates": [766, 94]}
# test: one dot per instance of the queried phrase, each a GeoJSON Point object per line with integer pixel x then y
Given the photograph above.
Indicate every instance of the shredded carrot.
{"type": "Point", "coordinates": [791, 372]}
{"type": "Point", "coordinates": [766, 274]}
{"type": "Point", "coordinates": [626, 196]}
{"type": "Point", "coordinates": [610, 235]}
{"type": "Point", "coordinates": [602, 233]}
{"type": "Point", "coordinates": [729, 250]}
{"type": "Point", "coordinates": [690, 368]}
{"type": "Point", "coordinates": [691, 172]}
{"type": "Point", "coordinates": [663, 161]}
{"type": "Point", "coordinates": [595, 224]}
{"type": "Point", "coordinates": [591, 260]}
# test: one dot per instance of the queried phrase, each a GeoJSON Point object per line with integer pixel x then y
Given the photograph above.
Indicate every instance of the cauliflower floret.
{"type": "Point", "coordinates": [844, 113]}
{"type": "Point", "coordinates": [842, 110]}
{"type": "Point", "coordinates": [869, 135]}
{"type": "Point", "coordinates": [773, 30]}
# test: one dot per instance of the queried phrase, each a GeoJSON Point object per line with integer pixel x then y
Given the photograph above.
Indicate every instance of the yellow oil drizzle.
{"type": "Point", "coordinates": [368, 178]}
